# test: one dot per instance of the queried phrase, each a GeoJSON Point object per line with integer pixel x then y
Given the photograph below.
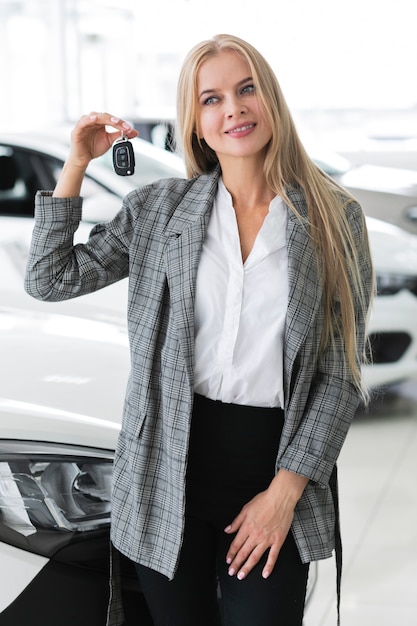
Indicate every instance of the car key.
{"type": "Point", "coordinates": [123, 157]}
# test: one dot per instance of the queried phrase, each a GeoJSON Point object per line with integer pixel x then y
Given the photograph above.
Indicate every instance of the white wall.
{"type": "Point", "coordinates": [62, 58]}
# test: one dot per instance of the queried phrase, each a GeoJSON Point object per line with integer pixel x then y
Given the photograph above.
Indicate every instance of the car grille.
{"type": "Point", "coordinates": [392, 284]}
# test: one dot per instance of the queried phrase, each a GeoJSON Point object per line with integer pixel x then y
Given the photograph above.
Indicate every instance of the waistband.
{"type": "Point", "coordinates": [245, 409]}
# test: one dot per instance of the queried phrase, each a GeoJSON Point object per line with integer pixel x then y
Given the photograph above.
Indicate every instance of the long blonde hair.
{"type": "Point", "coordinates": [287, 164]}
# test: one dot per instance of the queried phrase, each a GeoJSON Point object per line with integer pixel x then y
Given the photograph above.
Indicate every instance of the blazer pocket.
{"type": "Point", "coordinates": [133, 419]}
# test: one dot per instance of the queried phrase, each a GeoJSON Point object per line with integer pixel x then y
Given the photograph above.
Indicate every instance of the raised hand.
{"type": "Point", "coordinates": [90, 138]}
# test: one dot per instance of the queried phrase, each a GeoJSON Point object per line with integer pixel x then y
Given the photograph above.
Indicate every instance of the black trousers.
{"type": "Point", "coordinates": [231, 458]}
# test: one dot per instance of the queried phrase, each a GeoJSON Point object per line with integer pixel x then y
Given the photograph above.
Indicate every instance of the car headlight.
{"type": "Point", "coordinates": [51, 495]}
{"type": "Point", "coordinates": [388, 284]}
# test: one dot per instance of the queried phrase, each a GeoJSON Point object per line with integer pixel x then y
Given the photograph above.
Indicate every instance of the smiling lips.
{"type": "Point", "coordinates": [240, 129]}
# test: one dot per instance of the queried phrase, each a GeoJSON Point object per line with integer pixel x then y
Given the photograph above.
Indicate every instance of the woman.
{"type": "Point", "coordinates": [249, 288]}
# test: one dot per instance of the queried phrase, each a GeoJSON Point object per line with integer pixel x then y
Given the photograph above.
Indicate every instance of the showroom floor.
{"type": "Point", "coordinates": [378, 493]}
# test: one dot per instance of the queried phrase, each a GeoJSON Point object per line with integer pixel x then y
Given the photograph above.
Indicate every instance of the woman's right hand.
{"type": "Point", "coordinates": [90, 139]}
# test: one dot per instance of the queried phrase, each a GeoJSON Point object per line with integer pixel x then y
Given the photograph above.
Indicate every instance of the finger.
{"type": "Point", "coordinates": [107, 119]}
{"type": "Point", "coordinates": [239, 555]}
{"type": "Point", "coordinates": [236, 545]}
{"type": "Point", "coordinates": [248, 563]}
{"type": "Point", "coordinates": [271, 561]}
{"type": "Point", "coordinates": [236, 524]}
{"type": "Point", "coordinates": [125, 127]}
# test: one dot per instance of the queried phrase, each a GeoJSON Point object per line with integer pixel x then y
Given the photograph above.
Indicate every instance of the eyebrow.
{"type": "Point", "coordinates": [239, 84]}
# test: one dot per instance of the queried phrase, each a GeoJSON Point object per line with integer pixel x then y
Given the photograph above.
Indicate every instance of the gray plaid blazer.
{"type": "Point", "coordinates": [156, 241]}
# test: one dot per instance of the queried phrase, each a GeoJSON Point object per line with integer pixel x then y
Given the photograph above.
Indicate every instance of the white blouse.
{"type": "Point", "coordinates": [241, 308]}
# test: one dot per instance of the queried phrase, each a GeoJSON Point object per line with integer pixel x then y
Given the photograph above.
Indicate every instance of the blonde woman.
{"type": "Point", "coordinates": [250, 284]}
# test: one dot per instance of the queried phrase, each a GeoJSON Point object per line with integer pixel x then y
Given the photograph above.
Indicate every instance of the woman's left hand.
{"type": "Point", "coordinates": [263, 524]}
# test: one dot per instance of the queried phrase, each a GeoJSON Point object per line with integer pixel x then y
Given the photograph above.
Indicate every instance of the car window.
{"type": "Point", "coordinates": [18, 182]}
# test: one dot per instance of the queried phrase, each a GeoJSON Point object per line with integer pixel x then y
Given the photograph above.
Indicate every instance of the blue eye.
{"type": "Point", "coordinates": [210, 100]}
{"type": "Point", "coordinates": [248, 89]}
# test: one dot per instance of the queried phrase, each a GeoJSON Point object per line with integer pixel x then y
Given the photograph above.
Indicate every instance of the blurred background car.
{"type": "Point", "coordinates": [387, 193]}
{"type": "Point", "coordinates": [64, 368]}
{"type": "Point", "coordinates": [393, 322]}
{"type": "Point", "coordinates": [29, 162]}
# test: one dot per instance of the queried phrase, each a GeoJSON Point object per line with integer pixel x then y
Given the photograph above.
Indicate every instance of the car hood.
{"type": "Point", "coordinates": [393, 249]}
{"type": "Point", "coordinates": [382, 179]}
{"type": "Point", "coordinates": [64, 372]}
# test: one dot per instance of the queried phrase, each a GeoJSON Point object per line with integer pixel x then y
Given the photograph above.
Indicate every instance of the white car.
{"type": "Point", "coordinates": [64, 367]}
{"type": "Point", "coordinates": [393, 322]}
{"type": "Point", "coordinates": [29, 162]}
{"type": "Point", "coordinates": [386, 193]}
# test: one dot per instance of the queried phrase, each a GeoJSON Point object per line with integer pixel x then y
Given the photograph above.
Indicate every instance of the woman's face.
{"type": "Point", "coordinates": [229, 116]}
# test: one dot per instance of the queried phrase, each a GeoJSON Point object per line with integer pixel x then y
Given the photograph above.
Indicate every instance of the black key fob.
{"type": "Point", "coordinates": [123, 157]}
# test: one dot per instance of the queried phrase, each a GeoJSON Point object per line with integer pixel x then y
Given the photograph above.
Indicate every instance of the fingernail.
{"type": "Point", "coordinates": [228, 560]}
{"type": "Point", "coordinates": [126, 126]}
{"type": "Point", "coordinates": [241, 575]}
{"type": "Point", "coordinates": [227, 529]}
{"type": "Point", "coordinates": [115, 120]}
{"type": "Point", "coordinates": [231, 571]}
{"type": "Point", "coordinates": [265, 574]}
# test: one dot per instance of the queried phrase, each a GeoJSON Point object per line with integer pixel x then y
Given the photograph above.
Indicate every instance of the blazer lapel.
{"type": "Point", "coordinates": [185, 235]}
{"type": "Point", "coordinates": [305, 288]}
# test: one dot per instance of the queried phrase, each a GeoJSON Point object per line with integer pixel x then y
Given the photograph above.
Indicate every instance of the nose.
{"type": "Point", "coordinates": [235, 108]}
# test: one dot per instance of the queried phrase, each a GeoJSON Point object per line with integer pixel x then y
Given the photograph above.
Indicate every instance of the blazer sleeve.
{"type": "Point", "coordinates": [59, 270]}
{"type": "Point", "coordinates": [329, 398]}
